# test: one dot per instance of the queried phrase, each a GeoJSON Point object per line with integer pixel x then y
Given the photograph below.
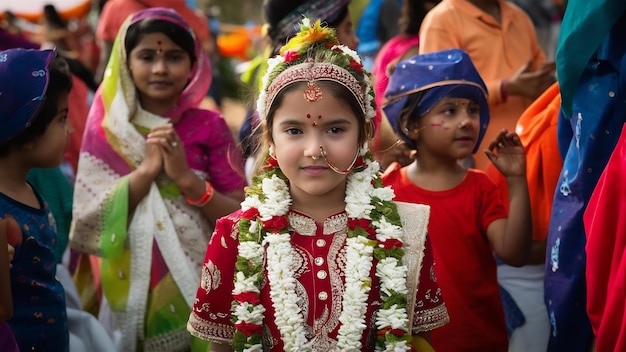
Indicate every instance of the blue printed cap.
{"type": "Point", "coordinates": [23, 82]}
{"type": "Point", "coordinates": [447, 73]}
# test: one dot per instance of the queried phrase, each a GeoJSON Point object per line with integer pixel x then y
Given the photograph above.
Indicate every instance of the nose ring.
{"type": "Point", "coordinates": [315, 157]}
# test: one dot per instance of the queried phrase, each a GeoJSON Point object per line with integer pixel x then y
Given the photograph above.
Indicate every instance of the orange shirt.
{"type": "Point", "coordinates": [497, 51]}
{"type": "Point", "coordinates": [115, 13]}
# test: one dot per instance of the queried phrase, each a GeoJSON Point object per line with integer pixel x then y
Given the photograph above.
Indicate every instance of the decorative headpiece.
{"type": "Point", "coordinates": [297, 63]}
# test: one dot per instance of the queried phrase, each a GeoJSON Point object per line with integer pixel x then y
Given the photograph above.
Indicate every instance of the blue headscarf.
{"type": "Point", "coordinates": [23, 82]}
{"type": "Point", "coordinates": [447, 73]}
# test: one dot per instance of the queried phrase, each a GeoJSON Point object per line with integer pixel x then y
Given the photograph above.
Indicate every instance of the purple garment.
{"type": "Point", "coordinates": [7, 340]}
{"type": "Point", "coordinates": [10, 41]}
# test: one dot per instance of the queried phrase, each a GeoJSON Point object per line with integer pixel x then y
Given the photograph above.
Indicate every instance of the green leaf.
{"type": "Point", "coordinates": [395, 299]}
{"type": "Point", "coordinates": [239, 341]}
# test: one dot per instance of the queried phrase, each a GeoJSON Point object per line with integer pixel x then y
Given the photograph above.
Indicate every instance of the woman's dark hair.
{"type": "Point", "coordinates": [276, 11]}
{"type": "Point", "coordinates": [341, 15]}
{"type": "Point", "coordinates": [53, 18]}
{"type": "Point", "coordinates": [179, 35]}
{"type": "Point", "coordinates": [413, 12]}
{"type": "Point", "coordinates": [60, 82]}
{"type": "Point", "coordinates": [78, 69]}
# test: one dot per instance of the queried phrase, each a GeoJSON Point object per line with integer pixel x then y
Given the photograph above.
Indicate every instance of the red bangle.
{"type": "Point", "coordinates": [205, 198]}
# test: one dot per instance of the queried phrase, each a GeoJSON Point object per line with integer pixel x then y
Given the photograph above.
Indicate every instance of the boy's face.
{"type": "Point", "coordinates": [48, 149]}
{"type": "Point", "coordinates": [450, 128]}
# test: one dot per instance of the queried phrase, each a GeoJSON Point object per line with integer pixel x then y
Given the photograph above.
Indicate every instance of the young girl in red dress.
{"type": "Point", "coordinates": [319, 258]}
{"type": "Point", "coordinates": [437, 104]}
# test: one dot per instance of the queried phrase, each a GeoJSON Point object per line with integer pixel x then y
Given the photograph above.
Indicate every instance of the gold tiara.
{"type": "Point", "coordinates": [313, 37]}
{"type": "Point", "coordinates": [311, 72]}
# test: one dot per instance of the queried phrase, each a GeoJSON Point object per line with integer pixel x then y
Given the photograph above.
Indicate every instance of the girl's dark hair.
{"type": "Point", "coordinates": [179, 35]}
{"type": "Point", "coordinates": [413, 12]}
{"type": "Point", "coordinates": [60, 82]}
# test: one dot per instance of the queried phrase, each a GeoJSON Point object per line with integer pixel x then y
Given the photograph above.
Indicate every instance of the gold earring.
{"type": "Point", "coordinates": [369, 130]}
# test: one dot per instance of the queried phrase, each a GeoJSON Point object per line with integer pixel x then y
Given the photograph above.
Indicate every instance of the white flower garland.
{"type": "Point", "coordinates": [265, 82]}
{"type": "Point", "coordinates": [288, 316]}
{"type": "Point", "coordinates": [359, 255]}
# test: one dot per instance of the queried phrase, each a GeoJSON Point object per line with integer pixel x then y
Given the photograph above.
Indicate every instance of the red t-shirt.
{"type": "Point", "coordinates": [464, 262]}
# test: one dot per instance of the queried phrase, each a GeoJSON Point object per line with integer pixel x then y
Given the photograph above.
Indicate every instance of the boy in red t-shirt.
{"type": "Point", "coordinates": [437, 103]}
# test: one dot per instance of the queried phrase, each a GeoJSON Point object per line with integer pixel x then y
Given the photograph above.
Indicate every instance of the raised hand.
{"type": "Point", "coordinates": [152, 163]}
{"type": "Point", "coordinates": [507, 154]}
{"type": "Point", "coordinates": [530, 84]}
{"type": "Point", "coordinates": [172, 151]}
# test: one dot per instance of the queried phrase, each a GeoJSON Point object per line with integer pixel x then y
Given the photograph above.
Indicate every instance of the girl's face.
{"type": "Point", "coordinates": [160, 70]}
{"type": "Point", "coordinates": [48, 149]}
{"type": "Point", "coordinates": [299, 129]}
{"type": "Point", "coordinates": [346, 34]}
{"type": "Point", "coordinates": [450, 129]}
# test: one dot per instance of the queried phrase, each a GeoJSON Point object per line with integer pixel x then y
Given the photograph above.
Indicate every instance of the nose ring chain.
{"type": "Point", "coordinates": [333, 167]}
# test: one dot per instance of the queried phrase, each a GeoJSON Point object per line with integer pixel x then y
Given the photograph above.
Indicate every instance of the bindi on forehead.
{"type": "Point", "coordinates": [314, 123]}
{"type": "Point", "coordinates": [159, 46]}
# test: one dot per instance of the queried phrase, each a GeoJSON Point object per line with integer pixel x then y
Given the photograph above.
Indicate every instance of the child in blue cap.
{"type": "Point", "coordinates": [437, 104]}
{"type": "Point", "coordinates": [34, 88]}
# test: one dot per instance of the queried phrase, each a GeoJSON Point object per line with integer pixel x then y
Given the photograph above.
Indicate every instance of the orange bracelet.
{"type": "Point", "coordinates": [206, 197]}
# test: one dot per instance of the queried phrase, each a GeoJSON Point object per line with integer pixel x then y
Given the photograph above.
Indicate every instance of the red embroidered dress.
{"type": "Point", "coordinates": [319, 271]}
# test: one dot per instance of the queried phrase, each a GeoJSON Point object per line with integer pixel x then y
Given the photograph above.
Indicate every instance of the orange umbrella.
{"type": "Point", "coordinates": [32, 10]}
